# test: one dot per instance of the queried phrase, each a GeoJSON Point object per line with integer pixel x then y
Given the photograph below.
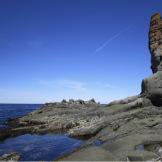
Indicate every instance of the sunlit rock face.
{"type": "Point", "coordinates": [155, 42]}
{"type": "Point", "coordinates": [152, 86]}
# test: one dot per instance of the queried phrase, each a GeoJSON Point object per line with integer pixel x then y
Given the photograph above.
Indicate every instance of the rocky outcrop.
{"type": "Point", "coordinates": [77, 118]}
{"type": "Point", "coordinates": [133, 127]}
{"type": "Point", "coordinates": [119, 128]}
{"type": "Point", "coordinates": [152, 86]}
{"type": "Point", "coordinates": [125, 134]}
{"type": "Point", "coordinates": [14, 156]}
{"type": "Point", "coordinates": [155, 42]}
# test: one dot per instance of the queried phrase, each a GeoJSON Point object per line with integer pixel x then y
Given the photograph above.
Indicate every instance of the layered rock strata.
{"type": "Point", "coordinates": [152, 86]}
{"type": "Point", "coordinates": [155, 42]}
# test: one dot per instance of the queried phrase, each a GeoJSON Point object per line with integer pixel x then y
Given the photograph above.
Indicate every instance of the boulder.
{"type": "Point", "coordinates": [63, 101]}
{"type": "Point", "coordinates": [152, 88]}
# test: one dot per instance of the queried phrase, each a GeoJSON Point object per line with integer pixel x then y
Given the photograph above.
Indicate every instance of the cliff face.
{"type": "Point", "coordinates": [152, 86]}
{"type": "Point", "coordinates": [155, 42]}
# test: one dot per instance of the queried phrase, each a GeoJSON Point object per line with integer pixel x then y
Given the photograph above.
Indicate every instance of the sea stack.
{"type": "Point", "coordinates": [155, 42]}
{"type": "Point", "coordinates": [152, 86]}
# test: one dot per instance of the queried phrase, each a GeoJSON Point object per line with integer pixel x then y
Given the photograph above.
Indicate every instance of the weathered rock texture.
{"type": "Point", "coordinates": [128, 129]}
{"type": "Point", "coordinates": [77, 118]}
{"type": "Point", "coordinates": [10, 157]}
{"type": "Point", "coordinates": [133, 125]}
{"type": "Point", "coordinates": [152, 86]}
{"type": "Point", "coordinates": [121, 129]}
{"type": "Point", "coordinates": [155, 42]}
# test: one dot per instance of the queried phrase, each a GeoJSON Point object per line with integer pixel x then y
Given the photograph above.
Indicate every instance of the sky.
{"type": "Point", "coordinates": [81, 49]}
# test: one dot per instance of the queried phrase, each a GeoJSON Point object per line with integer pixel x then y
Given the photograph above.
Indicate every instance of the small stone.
{"type": "Point", "coordinates": [80, 102]}
{"type": "Point", "coordinates": [92, 100]}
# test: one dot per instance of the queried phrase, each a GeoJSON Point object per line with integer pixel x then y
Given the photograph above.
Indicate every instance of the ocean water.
{"type": "Point", "coordinates": [33, 147]}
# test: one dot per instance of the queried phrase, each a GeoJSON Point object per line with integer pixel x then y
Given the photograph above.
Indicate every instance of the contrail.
{"type": "Point", "coordinates": [111, 39]}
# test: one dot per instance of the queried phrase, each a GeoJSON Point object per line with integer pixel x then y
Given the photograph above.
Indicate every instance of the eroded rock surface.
{"type": "Point", "coordinates": [14, 156]}
{"type": "Point", "coordinates": [152, 86]}
{"type": "Point", "coordinates": [133, 126]}
{"type": "Point", "coordinates": [123, 131]}
{"type": "Point", "coordinates": [128, 129]}
{"type": "Point", "coordinates": [77, 118]}
{"type": "Point", "coordinates": [120, 128]}
{"type": "Point", "coordinates": [124, 101]}
{"type": "Point", "coordinates": [155, 42]}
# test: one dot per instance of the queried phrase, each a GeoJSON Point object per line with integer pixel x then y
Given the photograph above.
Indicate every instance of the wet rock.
{"type": "Point", "coordinates": [78, 118]}
{"type": "Point", "coordinates": [98, 142]}
{"type": "Point", "coordinates": [140, 147]}
{"type": "Point", "coordinates": [91, 153]}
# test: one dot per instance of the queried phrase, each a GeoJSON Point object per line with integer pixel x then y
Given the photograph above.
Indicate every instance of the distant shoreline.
{"type": "Point", "coordinates": [22, 103]}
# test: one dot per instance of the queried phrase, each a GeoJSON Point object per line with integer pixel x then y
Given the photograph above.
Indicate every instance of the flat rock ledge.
{"type": "Point", "coordinates": [121, 131]}
{"type": "Point", "coordinates": [76, 118]}
{"type": "Point", "coordinates": [129, 129]}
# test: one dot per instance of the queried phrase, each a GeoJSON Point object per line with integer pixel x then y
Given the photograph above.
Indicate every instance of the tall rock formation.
{"type": "Point", "coordinates": [152, 86]}
{"type": "Point", "coordinates": [155, 42]}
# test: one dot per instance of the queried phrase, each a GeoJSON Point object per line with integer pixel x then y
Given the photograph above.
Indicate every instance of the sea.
{"type": "Point", "coordinates": [33, 147]}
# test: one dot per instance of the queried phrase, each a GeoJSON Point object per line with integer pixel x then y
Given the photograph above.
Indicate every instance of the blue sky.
{"type": "Point", "coordinates": [55, 49]}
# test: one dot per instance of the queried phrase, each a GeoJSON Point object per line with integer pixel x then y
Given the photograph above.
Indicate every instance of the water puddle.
{"type": "Point", "coordinates": [98, 142]}
{"type": "Point", "coordinates": [153, 146]}
{"type": "Point", "coordinates": [140, 147]}
{"type": "Point", "coordinates": [39, 147]}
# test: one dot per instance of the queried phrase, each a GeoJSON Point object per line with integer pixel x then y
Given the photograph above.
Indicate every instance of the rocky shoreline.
{"type": "Point", "coordinates": [128, 129]}
{"type": "Point", "coordinates": [120, 128]}
{"type": "Point", "coordinates": [73, 117]}
{"type": "Point", "coordinates": [14, 156]}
